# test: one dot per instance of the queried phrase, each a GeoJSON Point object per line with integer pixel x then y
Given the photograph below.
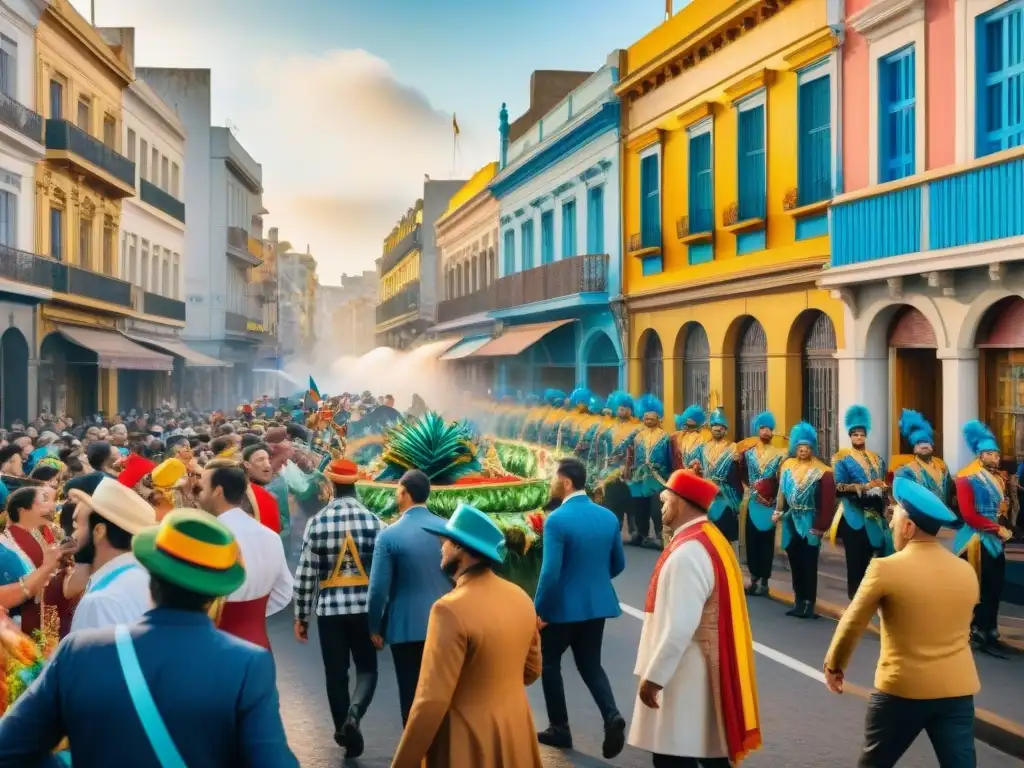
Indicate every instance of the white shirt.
{"type": "Point", "coordinates": [573, 495]}
{"type": "Point", "coordinates": [118, 593]}
{"type": "Point", "coordinates": [266, 568]}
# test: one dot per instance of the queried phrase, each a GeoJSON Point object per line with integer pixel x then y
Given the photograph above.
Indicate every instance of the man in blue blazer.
{"type": "Point", "coordinates": [175, 689]}
{"type": "Point", "coordinates": [582, 554]}
{"type": "Point", "coordinates": [405, 581]}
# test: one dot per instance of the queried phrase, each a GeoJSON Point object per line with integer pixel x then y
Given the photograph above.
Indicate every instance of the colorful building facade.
{"type": "Point", "coordinates": [559, 285]}
{"type": "Point", "coordinates": [928, 237]}
{"type": "Point", "coordinates": [730, 159]}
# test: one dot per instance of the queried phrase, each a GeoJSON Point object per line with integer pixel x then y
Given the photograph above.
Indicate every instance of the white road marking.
{"type": "Point", "coordinates": [769, 653]}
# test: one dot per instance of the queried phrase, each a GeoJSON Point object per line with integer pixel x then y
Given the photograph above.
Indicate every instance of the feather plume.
{"type": "Point", "coordinates": [555, 397]}
{"type": "Point", "coordinates": [695, 414]}
{"type": "Point", "coordinates": [596, 404]}
{"type": "Point", "coordinates": [619, 399]}
{"type": "Point", "coordinates": [443, 450]}
{"type": "Point", "coordinates": [580, 396]}
{"type": "Point", "coordinates": [857, 416]}
{"type": "Point", "coordinates": [650, 404]}
{"type": "Point", "coordinates": [763, 419]}
{"type": "Point", "coordinates": [979, 438]}
{"type": "Point", "coordinates": [915, 428]}
{"type": "Point", "coordinates": [803, 434]}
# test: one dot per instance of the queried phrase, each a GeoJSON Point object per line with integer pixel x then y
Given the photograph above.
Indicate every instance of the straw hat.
{"type": "Point", "coordinates": [117, 504]}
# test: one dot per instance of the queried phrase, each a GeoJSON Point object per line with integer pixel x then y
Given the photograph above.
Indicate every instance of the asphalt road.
{"type": "Point", "coordinates": [804, 726]}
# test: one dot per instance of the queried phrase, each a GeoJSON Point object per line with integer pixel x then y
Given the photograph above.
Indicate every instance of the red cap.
{"type": "Point", "coordinates": [342, 471]}
{"type": "Point", "coordinates": [692, 487]}
{"type": "Point", "coordinates": [133, 469]}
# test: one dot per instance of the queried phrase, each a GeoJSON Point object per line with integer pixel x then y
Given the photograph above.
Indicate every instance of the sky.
{"type": "Point", "coordinates": [348, 103]}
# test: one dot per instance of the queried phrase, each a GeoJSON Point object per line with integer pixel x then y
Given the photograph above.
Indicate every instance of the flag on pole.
{"type": "Point", "coordinates": [314, 392]}
{"type": "Point", "coordinates": [455, 124]}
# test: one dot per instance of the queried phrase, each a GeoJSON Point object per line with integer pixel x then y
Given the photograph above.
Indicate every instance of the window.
{"type": "Point", "coordinates": [527, 234]}
{"type": "Point", "coordinates": [155, 166]}
{"type": "Point", "coordinates": [84, 118]}
{"type": "Point", "coordinates": [108, 247]}
{"type": "Point", "coordinates": [165, 274]}
{"type": "Point", "coordinates": [701, 204]}
{"type": "Point", "coordinates": [57, 233]}
{"type": "Point", "coordinates": [8, 217]}
{"type": "Point", "coordinates": [174, 180]}
{"type": "Point", "coordinates": [751, 159]}
{"type": "Point", "coordinates": [56, 100]}
{"type": "Point", "coordinates": [568, 228]}
{"type": "Point", "coordinates": [144, 267]}
{"type": "Point", "coordinates": [130, 149]}
{"type": "Point", "coordinates": [110, 131]}
{"type": "Point", "coordinates": [132, 258]}
{"type": "Point", "coordinates": [144, 160]}
{"type": "Point", "coordinates": [164, 180]}
{"type": "Point", "coordinates": [814, 135]}
{"type": "Point", "coordinates": [8, 66]}
{"type": "Point", "coordinates": [650, 199]}
{"type": "Point", "coordinates": [1000, 43]}
{"type": "Point", "coordinates": [175, 277]}
{"type": "Point", "coordinates": [508, 251]}
{"type": "Point", "coordinates": [547, 237]}
{"type": "Point", "coordinates": [85, 243]}
{"type": "Point", "coordinates": [595, 219]}
{"type": "Point", "coordinates": [896, 111]}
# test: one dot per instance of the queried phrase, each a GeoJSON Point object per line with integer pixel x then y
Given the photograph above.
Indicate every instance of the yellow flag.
{"type": "Point", "coordinates": [455, 124]}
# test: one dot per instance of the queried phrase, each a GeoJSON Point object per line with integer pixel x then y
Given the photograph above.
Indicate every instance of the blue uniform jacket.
{"type": "Point", "coordinates": [405, 578]}
{"type": "Point", "coordinates": [216, 695]}
{"type": "Point", "coordinates": [582, 554]}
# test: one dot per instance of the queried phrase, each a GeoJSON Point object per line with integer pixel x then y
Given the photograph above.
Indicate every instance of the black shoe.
{"type": "Point", "coordinates": [614, 737]}
{"type": "Point", "coordinates": [558, 737]}
{"type": "Point", "coordinates": [808, 611]}
{"type": "Point", "coordinates": [339, 739]}
{"type": "Point", "coordinates": [353, 738]}
{"type": "Point", "coordinates": [751, 588]}
{"type": "Point", "coordinates": [635, 540]}
{"type": "Point", "coordinates": [651, 543]}
{"type": "Point", "coordinates": [762, 589]}
{"type": "Point", "coordinates": [797, 609]}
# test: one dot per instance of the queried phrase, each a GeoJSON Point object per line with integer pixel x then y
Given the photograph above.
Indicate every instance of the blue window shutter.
{"type": "Point", "coordinates": [510, 252]}
{"type": "Point", "coordinates": [650, 202]}
{"type": "Point", "coordinates": [751, 164]}
{"type": "Point", "coordinates": [701, 188]}
{"type": "Point", "coordinates": [527, 233]}
{"type": "Point", "coordinates": [547, 237]}
{"type": "Point", "coordinates": [897, 115]}
{"type": "Point", "coordinates": [814, 141]}
{"type": "Point", "coordinates": [595, 220]}
{"type": "Point", "coordinates": [568, 229]}
{"type": "Point", "coordinates": [1000, 67]}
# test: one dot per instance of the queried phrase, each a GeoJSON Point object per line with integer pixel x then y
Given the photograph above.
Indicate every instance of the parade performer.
{"type": "Point", "coordinates": [648, 462]}
{"type": "Point", "coordinates": [718, 461]}
{"type": "Point", "coordinates": [592, 425]}
{"type": "Point", "coordinates": [806, 503]}
{"type": "Point", "coordinates": [688, 438]}
{"type": "Point", "coordinates": [759, 470]}
{"type": "Point", "coordinates": [860, 485]}
{"type": "Point", "coordinates": [981, 493]}
{"type": "Point", "coordinates": [576, 422]}
{"type": "Point", "coordinates": [268, 583]}
{"type": "Point", "coordinates": [926, 677]}
{"type": "Point", "coordinates": [553, 418]}
{"type": "Point", "coordinates": [482, 645]}
{"type": "Point", "coordinates": [925, 468]}
{"type": "Point", "coordinates": [613, 446]}
{"type": "Point", "coordinates": [697, 700]}
{"type": "Point", "coordinates": [259, 502]}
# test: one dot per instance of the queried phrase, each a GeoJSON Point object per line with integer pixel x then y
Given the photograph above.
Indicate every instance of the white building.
{"type": "Point", "coordinates": [21, 146]}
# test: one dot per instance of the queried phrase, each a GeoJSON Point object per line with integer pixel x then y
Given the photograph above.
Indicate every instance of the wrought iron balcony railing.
{"type": "Point", "coordinates": [152, 194]}
{"type": "Point", "coordinates": [578, 274]}
{"type": "Point", "coordinates": [401, 303]}
{"type": "Point", "coordinates": [162, 306]}
{"type": "Point", "coordinates": [38, 271]}
{"type": "Point", "coordinates": [470, 304]}
{"type": "Point", "coordinates": [60, 134]}
{"type": "Point", "coordinates": [16, 115]}
{"type": "Point", "coordinates": [235, 322]}
{"type": "Point", "coordinates": [93, 285]}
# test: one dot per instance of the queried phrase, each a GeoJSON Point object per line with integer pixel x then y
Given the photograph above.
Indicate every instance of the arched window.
{"type": "Point", "coordinates": [458, 280]}
{"type": "Point", "coordinates": [821, 382]}
{"type": "Point", "coordinates": [653, 366]}
{"type": "Point", "coordinates": [696, 367]}
{"type": "Point", "coordinates": [751, 375]}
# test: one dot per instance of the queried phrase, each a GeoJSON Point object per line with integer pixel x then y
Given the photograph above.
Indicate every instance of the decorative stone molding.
{"type": "Point", "coordinates": [996, 272]}
{"type": "Point", "coordinates": [883, 17]}
{"type": "Point", "coordinates": [895, 285]}
{"type": "Point", "coordinates": [848, 296]}
{"type": "Point", "coordinates": [943, 281]}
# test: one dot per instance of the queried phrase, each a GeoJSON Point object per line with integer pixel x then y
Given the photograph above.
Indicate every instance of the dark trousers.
{"type": "Point", "coordinates": [892, 724]}
{"type": "Point", "coordinates": [407, 657]}
{"type": "Point", "coordinates": [729, 525]}
{"type": "Point", "coordinates": [803, 562]}
{"type": "Point", "coordinates": [584, 638]}
{"type": "Point", "coordinates": [859, 552]}
{"type": "Point", "coordinates": [647, 510]}
{"type": "Point", "coordinates": [993, 575]}
{"type": "Point", "coordinates": [760, 551]}
{"type": "Point", "coordinates": [618, 500]}
{"type": "Point", "coordinates": [344, 638]}
{"type": "Point", "coordinates": [671, 761]}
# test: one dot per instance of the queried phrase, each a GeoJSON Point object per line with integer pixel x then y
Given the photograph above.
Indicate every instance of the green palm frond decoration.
{"type": "Point", "coordinates": [444, 450]}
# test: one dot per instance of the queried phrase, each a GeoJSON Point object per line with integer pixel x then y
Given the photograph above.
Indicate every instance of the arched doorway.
{"type": "Point", "coordinates": [1000, 340]}
{"type": "Point", "coordinates": [602, 365]}
{"type": "Point", "coordinates": [68, 378]}
{"type": "Point", "coordinates": [821, 382]}
{"type": "Point", "coordinates": [696, 355]}
{"type": "Point", "coordinates": [917, 373]}
{"type": "Point", "coordinates": [751, 375]}
{"type": "Point", "coordinates": [652, 365]}
{"type": "Point", "coordinates": [554, 360]}
{"type": "Point", "coordinates": [13, 377]}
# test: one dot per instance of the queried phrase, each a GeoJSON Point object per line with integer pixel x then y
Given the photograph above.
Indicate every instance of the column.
{"type": "Point", "coordinates": [33, 385]}
{"type": "Point", "coordinates": [785, 391]}
{"type": "Point", "coordinates": [960, 383]}
{"type": "Point", "coordinates": [671, 373]}
{"type": "Point", "coordinates": [864, 379]}
{"type": "Point", "coordinates": [107, 392]}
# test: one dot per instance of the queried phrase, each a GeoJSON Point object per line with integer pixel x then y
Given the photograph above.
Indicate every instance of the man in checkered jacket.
{"type": "Point", "coordinates": [333, 577]}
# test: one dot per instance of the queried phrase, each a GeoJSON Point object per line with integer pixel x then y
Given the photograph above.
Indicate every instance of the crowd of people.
{"type": "Point", "coordinates": [151, 548]}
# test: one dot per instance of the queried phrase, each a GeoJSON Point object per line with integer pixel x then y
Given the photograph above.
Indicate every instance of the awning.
{"type": "Point", "coordinates": [192, 358]}
{"type": "Point", "coordinates": [433, 349]}
{"type": "Point", "coordinates": [517, 338]}
{"type": "Point", "coordinates": [115, 351]}
{"type": "Point", "coordinates": [466, 347]}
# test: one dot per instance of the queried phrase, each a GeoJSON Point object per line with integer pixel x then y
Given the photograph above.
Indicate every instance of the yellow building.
{"type": "Point", "coordinates": [79, 188]}
{"type": "Point", "coordinates": [729, 157]}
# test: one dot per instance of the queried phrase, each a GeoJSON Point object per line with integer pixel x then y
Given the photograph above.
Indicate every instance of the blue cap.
{"type": "Point", "coordinates": [717, 419]}
{"type": "Point", "coordinates": [470, 528]}
{"type": "Point", "coordinates": [923, 507]}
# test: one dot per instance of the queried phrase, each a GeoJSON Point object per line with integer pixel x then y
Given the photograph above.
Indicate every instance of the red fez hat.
{"type": "Point", "coordinates": [133, 469]}
{"type": "Point", "coordinates": [342, 472]}
{"type": "Point", "coordinates": [692, 487]}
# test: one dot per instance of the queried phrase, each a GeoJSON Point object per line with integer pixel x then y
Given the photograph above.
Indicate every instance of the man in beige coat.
{"type": "Point", "coordinates": [482, 650]}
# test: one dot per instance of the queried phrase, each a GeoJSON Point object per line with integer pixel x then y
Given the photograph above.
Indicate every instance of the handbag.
{"type": "Point", "coordinates": [149, 716]}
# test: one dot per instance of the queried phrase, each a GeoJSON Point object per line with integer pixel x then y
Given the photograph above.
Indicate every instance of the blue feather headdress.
{"type": "Point", "coordinates": [717, 419]}
{"type": "Point", "coordinates": [763, 419]}
{"type": "Point", "coordinates": [580, 396]}
{"type": "Point", "coordinates": [979, 438]}
{"type": "Point", "coordinates": [857, 417]}
{"type": "Point", "coordinates": [595, 404]}
{"type": "Point", "coordinates": [650, 404]}
{"type": "Point", "coordinates": [695, 414]}
{"type": "Point", "coordinates": [554, 397]}
{"type": "Point", "coordinates": [803, 434]}
{"type": "Point", "coordinates": [619, 399]}
{"type": "Point", "coordinates": [915, 428]}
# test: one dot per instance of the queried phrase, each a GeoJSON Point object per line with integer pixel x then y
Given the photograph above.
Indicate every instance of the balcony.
{"type": "Point", "coordinates": [236, 323]}
{"type": "Point", "coordinates": [16, 115]}
{"type": "Point", "coordinates": [568, 277]}
{"type": "Point", "coordinates": [238, 247]}
{"type": "Point", "coordinates": [405, 301]}
{"type": "Point", "coordinates": [69, 145]}
{"type": "Point", "coordinates": [152, 195]}
{"type": "Point", "coordinates": [474, 303]}
{"type": "Point", "coordinates": [390, 259]}
{"type": "Point", "coordinates": [84, 283]}
{"type": "Point", "coordinates": [38, 271]}
{"type": "Point", "coordinates": [162, 306]}
{"type": "Point", "coordinates": [931, 211]}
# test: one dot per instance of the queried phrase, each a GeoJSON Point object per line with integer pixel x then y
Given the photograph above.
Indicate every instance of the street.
{"type": "Point", "coordinates": [803, 725]}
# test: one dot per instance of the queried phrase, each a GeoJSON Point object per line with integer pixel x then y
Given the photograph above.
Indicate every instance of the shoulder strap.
{"type": "Point", "coordinates": [152, 723]}
{"type": "Point", "coordinates": [109, 578]}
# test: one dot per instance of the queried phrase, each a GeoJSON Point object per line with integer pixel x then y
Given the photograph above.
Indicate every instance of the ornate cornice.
{"type": "Point", "coordinates": [883, 17]}
{"type": "Point", "coordinates": [71, 22]}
